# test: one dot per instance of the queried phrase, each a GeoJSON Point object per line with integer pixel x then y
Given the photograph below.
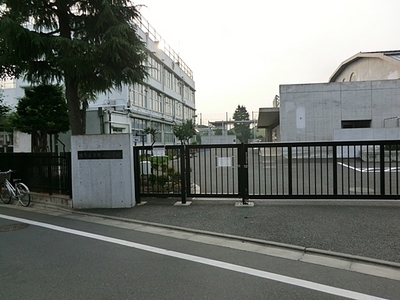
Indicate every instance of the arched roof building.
{"type": "Point", "coordinates": [361, 101]}
{"type": "Point", "coordinates": [366, 66]}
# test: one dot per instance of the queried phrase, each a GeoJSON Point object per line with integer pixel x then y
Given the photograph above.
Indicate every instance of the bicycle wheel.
{"type": "Point", "coordinates": [5, 194]}
{"type": "Point", "coordinates": [24, 196]}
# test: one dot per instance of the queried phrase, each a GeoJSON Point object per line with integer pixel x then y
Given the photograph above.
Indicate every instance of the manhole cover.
{"type": "Point", "coordinates": [13, 227]}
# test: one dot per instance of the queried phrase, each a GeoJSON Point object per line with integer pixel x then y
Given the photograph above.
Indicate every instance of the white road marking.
{"type": "Point", "coordinates": [206, 261]}
{"type": "Point", "coordinates": [364, 170]}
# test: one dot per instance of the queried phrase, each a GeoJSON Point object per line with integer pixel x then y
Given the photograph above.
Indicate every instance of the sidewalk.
{"type": "Point", "coordinates": [363, 228]}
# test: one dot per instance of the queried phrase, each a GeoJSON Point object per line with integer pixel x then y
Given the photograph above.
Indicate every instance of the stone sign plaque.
{"type": "Point", "coordinates": [100, 154]}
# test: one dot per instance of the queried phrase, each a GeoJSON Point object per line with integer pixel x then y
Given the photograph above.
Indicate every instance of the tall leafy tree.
{"type": "Point", "coordinates": [184, 131]}
{"type": "Point", "coordinates": [4, 108]}
{"type": "Point", "coordinates": [42, 112]}
{"type": "Point", "coordinates": [91, 45]}
{"type": "Point", "coordinates": [4, 115]}
{"type": "Point", "coordinates": [242, 130]}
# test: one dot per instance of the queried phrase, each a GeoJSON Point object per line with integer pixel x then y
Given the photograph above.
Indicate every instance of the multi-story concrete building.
{"type": "Point", "coordinates": [360, 102]}
{"type": "Point", "coordinates": [165, 98]}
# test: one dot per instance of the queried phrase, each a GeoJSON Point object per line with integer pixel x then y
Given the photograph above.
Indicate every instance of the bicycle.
{"type": "Point", "coordinates": [16, 190]}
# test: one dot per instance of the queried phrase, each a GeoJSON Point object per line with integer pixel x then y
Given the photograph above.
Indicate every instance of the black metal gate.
{"type": "Point", "coordinates": [313, 170]}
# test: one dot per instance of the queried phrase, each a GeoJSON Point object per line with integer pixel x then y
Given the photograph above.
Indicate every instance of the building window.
{"type": "Point", "coordinates": [356, 124]}
{"type": "Point", "coordinates": [192, 99]}
{"type": "Point", "coordinates": [168, 79]}
{"type": "Point", "coordinates": [118, 130]}
{"type": "Point", "coordinates": [138, 95]}
{"type": "Point", "coordinates": [7, 83]}
{"type": "Point", "coordinates": [186, 92]}
{"type": "Point", "coordinates": [177, 86]}
{"type": "Point", "coordinates": [138, 124]}
{"type": "Point", "coordinates": [168, 106]}
{"type": "Point", "coordinates": [155, 100]}
{"type": "Point", "coordinates": [178, 110]}
{"type": "Point", "coordinates": [154, 69]}
{"type": "Point", "coordinates": [168, 134]}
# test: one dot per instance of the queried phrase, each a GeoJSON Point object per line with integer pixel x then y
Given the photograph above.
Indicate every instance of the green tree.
{"type": "Point", "coordinates": [4, 115]}
{"type": "Point", "coordinates": [242, 130]}
{"type": "Point", "coordinates": [152, 132]}
{"type": "Point", "coordinates": [4, 108]}
{"type": "Point", "coordinates": [92, 46]}
{"type": "Point", "coordinates": [184, 131]}
{"type": "Point", "coordinates": [41, 112]}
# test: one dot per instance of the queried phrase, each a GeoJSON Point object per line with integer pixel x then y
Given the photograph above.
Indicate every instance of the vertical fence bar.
{"type": "Point", "coordinates": [309, 169]}
{"type": "Point", "coordinates": [397, 169]}
{"type": "Point", "coordinates": [368, 189]}
{"type": "Point", "coordinates": [390, 169]}
{"type": "Point", "coordinates": [185, 167]}
{"type": "Point", "coordinates": [136, 166]}
{"type": "Point", "coordinates": [243, 173]}
{"type": "Point", "coordinates": [327, 170]}
{"type": "Point", "coordinates": [315, 170]}
{"type": "Point", "coordinates": [382, 167]}
{"type": "Point", "coordinates": [290, 181]}
{"type": "Point", "coordinates": [334, 170]}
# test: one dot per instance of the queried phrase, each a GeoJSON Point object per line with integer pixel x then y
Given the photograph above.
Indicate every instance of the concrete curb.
{"type": "Point", "coordinates": [305, 250]}
{"type": "Point", "coordinates": [47, 202]}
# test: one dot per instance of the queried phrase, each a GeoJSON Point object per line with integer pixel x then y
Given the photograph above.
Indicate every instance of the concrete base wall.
{"type": "Point", "coordinates": [102, 171]}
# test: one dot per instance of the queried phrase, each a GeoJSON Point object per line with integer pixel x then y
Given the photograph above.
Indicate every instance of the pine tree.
{"type": "Point", "coordinates": [92, 46]}
{"type": "Point", "coordinates": [242, 130]}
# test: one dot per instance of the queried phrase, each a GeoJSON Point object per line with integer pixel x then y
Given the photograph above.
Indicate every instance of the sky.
{"type": "Point", "coordinates": [241, 51]}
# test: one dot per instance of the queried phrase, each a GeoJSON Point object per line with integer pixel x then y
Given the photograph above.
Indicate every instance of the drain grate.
{"type": "Point", "coordinates": [13, 227]}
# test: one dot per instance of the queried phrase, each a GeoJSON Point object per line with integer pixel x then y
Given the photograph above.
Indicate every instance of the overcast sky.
{"type": "Point", "coordinates": [241, 51]}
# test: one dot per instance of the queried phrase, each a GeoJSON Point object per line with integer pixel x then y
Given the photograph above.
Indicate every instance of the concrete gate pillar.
{"type": "Point", "coordinates": [102, 171]}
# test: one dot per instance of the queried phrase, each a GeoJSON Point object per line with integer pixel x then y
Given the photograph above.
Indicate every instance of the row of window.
{"type": "Point", "coordinates": [170, 80]}
{"type": "Point", "coordinates": [157, 103]}
{"type": "Point", "coordinates": [139, 125]}
{"type": "Point", "coordinates": [7, 83]}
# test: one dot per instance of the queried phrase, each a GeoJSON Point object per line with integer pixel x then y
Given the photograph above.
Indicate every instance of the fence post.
{"type": "Point", "coordinates": [50, 173]}
{"type": "Point", "coordinates": [243, 173]}
{"type": "Point", "coordinates": [137, 174]}
{"type": "Point", "coordinates": [184, 157]}
{"type": "Point", "coordinates": [335, 171]}
{"type": "Point", "coordinates": [290, 171]}
{"type": "Point", "coordinates": [382, 167]}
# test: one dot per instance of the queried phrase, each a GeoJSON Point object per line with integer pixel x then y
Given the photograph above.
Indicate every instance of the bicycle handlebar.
{"type": "Point", "coordinates": [7, 172]}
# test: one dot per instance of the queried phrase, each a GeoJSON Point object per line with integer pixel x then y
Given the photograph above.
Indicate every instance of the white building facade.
{"type": "Point", "coordinates": [361, 101]}
{"type": "Point", "coordinates": [365, 110]}
{"type": "Point", "coordinates": [164, 99]}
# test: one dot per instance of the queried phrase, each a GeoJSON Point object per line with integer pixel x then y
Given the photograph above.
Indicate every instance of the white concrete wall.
{"type": "Point", "coordinates": [312, 112]}
{"type": "Point", "coordinates": [367, 134]}
{"type": "Point", "coordinates": [22, 141]}
{"type": "Point", "coordinates": [103, 183]}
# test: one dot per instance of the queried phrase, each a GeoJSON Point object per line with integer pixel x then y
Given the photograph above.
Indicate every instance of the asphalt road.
{"type": "Point", "coordinates": [364, 228]}
{"type": "Point", "coordinates": [56, 257]}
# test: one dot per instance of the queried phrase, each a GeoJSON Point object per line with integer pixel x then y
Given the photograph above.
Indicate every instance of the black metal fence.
{"type": "Point", "coordinates": [42, 172]}
{"type": "Point", "coordinates": [314, 170]}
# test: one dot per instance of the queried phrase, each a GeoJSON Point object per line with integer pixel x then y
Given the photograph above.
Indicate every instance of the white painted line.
{"type": "Point", "coordinates": [374, 170]}
{"type": "Point", "coordinates": [206, 261]}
